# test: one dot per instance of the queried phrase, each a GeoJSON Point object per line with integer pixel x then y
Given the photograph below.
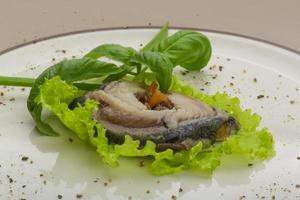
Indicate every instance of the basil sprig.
{"type": "Point", "coordinates": [188, 49]}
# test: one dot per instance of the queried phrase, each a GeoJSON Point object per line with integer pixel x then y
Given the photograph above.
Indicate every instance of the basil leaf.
{"type": "Point", "coordinates": [191, 50]}
{"type": "Point", "coordinates": [112, 51]}
{"type": "Point", "coordinates": [69, 71]}
{"type": "Point", "coordinates": [160, 65]}
{"type": "Point", "coordinates": [121, 74]}
{"type": "Point", "coordinates": [162, 34]}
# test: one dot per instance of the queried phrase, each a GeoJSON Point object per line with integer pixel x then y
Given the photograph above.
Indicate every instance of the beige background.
{"type": "Point", "coordinates": [273, 20]}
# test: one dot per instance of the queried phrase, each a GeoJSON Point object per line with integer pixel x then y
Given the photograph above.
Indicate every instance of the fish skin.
{"type": "Point", "coordinates": [196, 130]}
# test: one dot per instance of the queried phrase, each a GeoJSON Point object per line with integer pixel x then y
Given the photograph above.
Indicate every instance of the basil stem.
{"type": "Point", "coordinates": [29, 82]}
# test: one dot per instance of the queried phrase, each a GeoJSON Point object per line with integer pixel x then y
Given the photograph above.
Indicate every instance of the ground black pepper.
{"type": "Point", "coordinates": [142, 163]}
{"type": "Point", "coordinates": [24, 158]}
{"type": "Point", "coordinates": [260, 96]}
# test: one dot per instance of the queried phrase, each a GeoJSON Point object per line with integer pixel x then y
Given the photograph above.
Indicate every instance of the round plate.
{"type": "Point", "coordinates": [40, 167]}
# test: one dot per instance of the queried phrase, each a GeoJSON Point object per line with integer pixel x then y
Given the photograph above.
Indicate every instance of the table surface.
{"type": "Point", "coordinates": [272, 20]}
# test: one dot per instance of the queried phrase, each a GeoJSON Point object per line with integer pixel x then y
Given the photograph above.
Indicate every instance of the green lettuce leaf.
{"type": "Point", "coordinates": [55, 95]}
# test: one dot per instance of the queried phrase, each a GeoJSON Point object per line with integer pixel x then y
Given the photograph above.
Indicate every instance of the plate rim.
{"type": "Point", "coordinates": [274, 44]}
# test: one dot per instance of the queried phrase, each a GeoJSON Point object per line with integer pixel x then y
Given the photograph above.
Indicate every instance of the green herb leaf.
{"type": "Point", "coordinates": [161, 35]}
{"type": "Point", "coordinates": [112, 51]}
{"type": "Point", "coordinates": [113, 77]}
{"type": "Point", "coordinates": [189, 49]}
{"type": "Point", "coordinates": [160, 65]}
{"type": "Point", "coordinates": [69, 71]}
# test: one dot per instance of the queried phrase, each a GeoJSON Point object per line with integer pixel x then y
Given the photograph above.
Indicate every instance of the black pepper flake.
{"type": "Point", "coordinates": [298, 186]}
{"type": "Point", "coordinates": [10, 179]}
{"type": "Point", "coordinates": [44, 182]}
{"type": "Point", "coordinates": [228, 59]}
{"type": "Point", "coordinates": [96, 180]}
{"type": "Point", "coordinates": [242, 197]}
{"type": "Point", "coordinates": [59, 196]}
{"type": "Point", "coordinates": [142, 163]}
{"type": "Point", "coordinates": [214, 77]}
{"type": "Point", "coordinates": [260, 96]}
{"type": "Point", "coordinates": [148, 191]}
{"type": "Point", "coordinates": [273, 197]}
{"type": "Point", "coordinates": [2, 94]}
{"type": "Point", "coordinates": [63, 51]}
{"type": "Point", "coordinates": [180, 190]}
{"type": "Point", "coordinates": [53, 59]}
{"type": "Point", "coordinates": [173, 197]}
{"type": "Point", "coordinates": [24, 158]}
{"type": "Point", "coordinates": [73, 56]}
{"type": "Point", "coordinates": [232, 77]}
{"type": "Point", "coordinates": [149, 24]}
{"type": "Point", "coordinates": [12, 99]}
{"type": "Point", "coordinates": [23, 186]}
{"type": "Point", "coordinates": [250, 164]}
{"type": "Point", "coordinates": [183, 73]}
{"type": "Point", "coordinates": [292, 102]}
{"type": "Point", "coordinates": [221, 68]}
{"type": "Point", "coordinates": [231, 84]}
{"type": "Point", "coordinates": [298, 158]}
{"type": "Point", "coordinates": [31, 162]}
{"type": "Point", "coordinates": [70, 139]}
{"type": "Point", "coordinates": [105, 184]}
{"type": "Point", "coordinates": [255, 80]}
{"type": "Point", "coordinates": [78, 196]}
{"type": "Point", "coordinates": [41, 175]}
{"type": "Point", "coordinates": [141, 45]}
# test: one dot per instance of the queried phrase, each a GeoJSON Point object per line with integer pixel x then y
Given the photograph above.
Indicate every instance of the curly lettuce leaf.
{"type": "Point", "coordinates": [249, 142]}
{"type": "Point", "coordinates": [56, 95]}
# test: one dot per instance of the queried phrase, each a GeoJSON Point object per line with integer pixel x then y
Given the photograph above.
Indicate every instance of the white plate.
{"type": "Point", "coordinates": [59, 167]}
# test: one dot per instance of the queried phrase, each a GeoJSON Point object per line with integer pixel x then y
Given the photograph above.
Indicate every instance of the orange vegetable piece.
{"type": "Point", "coordinates": [156, 96]}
